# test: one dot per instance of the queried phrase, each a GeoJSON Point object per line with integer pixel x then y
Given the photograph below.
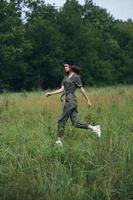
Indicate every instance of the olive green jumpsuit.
{"type": "Point", "coordinates": [70, 106]}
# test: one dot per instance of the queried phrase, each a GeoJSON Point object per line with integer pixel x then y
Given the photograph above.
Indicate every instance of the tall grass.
{"type": "Point", "coordinates": [32, 167]}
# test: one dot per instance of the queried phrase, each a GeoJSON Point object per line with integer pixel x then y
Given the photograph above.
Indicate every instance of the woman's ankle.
{"type": "Point", "coordinates": [90, 127]}
{"type": "Point", "coordinates": [59, 138]}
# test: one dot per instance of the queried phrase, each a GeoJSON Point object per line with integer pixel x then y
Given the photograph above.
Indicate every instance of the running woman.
{"type": "Point", "coordinates": [69, 84]}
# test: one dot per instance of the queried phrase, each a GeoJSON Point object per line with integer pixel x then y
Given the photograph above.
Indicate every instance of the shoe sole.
{"type": "Point", "coordinates": [98, 132]}
{"type": "Point", "coordinates": [59, 144]}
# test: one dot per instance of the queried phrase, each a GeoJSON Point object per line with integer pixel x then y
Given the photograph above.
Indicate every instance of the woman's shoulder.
{"type": "Point", "coordinates": [65, 77]}
{"type": "Point", "coordinates": [76, 75]}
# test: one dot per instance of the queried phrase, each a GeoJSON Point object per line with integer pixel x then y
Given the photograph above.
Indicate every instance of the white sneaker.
{"type": "Point", "coordinates": [59, 142]}
{"type": "Point", "coordinates": [96, 129]}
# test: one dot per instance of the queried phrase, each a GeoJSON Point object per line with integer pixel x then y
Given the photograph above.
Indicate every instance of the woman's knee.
{"type": "Point", "coordinates": [75, 124]}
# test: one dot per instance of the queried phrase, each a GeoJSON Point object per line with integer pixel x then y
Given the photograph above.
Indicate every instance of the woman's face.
{"type": "Point", "coordinates": [67, 68]}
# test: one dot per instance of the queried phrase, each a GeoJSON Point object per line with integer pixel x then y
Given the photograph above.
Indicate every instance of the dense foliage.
{"type": "Point", "coordinates": [36, 37]}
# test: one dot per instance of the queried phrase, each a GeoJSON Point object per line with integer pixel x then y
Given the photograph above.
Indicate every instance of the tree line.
{"type": "Point", "coordinates": [36, 37]}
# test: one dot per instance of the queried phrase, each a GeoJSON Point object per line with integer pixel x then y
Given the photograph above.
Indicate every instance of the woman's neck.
{"type": "Point", "coordinates": [70, 73]}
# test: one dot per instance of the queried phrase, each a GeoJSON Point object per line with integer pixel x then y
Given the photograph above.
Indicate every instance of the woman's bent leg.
{"type": "Point", "coordinates": [75, 120]}
{"type": "Point", "coordinates": [79, 124]}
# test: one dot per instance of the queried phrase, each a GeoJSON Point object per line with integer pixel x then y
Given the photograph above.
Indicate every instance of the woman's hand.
{"type": "Point", "coordinates": [47, 94]}
{"type": "Point", "coordinates": [89, 103]}
{"type": "Point", "coordinates": [82, 90]}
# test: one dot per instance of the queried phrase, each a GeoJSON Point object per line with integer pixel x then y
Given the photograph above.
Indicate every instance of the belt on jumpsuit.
{"type": "Point", "coordinates": [64, 94]}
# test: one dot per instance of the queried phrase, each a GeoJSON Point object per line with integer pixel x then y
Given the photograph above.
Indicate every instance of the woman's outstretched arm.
{"type": "Point", "coordinates": [55, 92]}
{"type": "Point", "coordinates": [82, 90]}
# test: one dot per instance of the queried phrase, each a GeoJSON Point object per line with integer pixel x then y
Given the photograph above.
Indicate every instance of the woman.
{"type": "Point", "coordinates": [69, 84]}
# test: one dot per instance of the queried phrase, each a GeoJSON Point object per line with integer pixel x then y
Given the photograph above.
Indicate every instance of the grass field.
{"type": "Point", "coordinates": [32, 167]}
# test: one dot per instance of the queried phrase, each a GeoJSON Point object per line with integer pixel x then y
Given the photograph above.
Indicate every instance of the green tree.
{"type": "Point", "coordinates": [45, 61]}
{"type": "Point", "coordinates": [13, 47]}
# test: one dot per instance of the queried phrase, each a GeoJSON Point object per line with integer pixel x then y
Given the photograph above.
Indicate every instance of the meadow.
{"type": "Point", "coordinates": [32, 167]}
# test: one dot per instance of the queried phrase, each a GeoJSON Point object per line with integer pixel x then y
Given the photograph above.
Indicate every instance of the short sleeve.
{"type": "Point", "coordinates": [78, 81]}
{"type": "Point", "coordinates": [62, 83]}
